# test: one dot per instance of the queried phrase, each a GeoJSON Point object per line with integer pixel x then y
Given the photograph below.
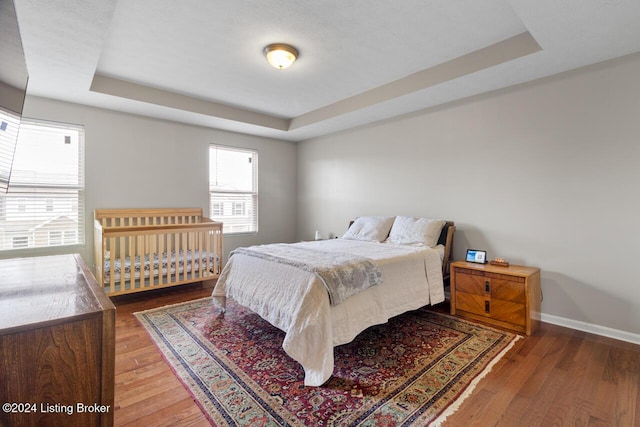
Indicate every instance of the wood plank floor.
{"type": "Point", "coordinates": [147, 393]}
{"type": "Point", "coordinates": [556, 377]}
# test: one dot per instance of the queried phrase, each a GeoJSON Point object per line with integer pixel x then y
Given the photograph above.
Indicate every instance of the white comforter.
{"type": "Point", "coordinates": [297, 302]}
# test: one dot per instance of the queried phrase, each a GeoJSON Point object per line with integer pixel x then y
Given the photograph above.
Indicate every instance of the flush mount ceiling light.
{"type": "Point", "coordinates": [280, 55]}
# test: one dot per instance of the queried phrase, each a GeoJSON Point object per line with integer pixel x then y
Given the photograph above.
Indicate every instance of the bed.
{"type": "Point", "coordinates": [141, 249]}
{"type": "Point", "coordinates": [410, 255]}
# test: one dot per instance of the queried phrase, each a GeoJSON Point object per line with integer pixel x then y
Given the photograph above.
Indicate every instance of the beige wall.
{"type": "Point", "coordinates": [133, 161]}
{"type": "Point", "coordinates": [544, 174]}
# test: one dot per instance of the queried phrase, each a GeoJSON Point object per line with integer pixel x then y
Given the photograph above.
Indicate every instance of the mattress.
{"type": "Point", "coordinates": [158, 264]}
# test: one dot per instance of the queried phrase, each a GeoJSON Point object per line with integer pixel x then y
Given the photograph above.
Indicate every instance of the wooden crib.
{"type": "Point", "coordinates": [141, 249]}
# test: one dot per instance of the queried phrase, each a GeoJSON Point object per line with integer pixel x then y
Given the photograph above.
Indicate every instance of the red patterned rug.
{"type": "Point", "coordinates": [414, 370]}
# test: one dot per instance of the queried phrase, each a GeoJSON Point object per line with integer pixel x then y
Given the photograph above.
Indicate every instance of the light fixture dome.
{"type": "Point", "coordinates": [281, 55]}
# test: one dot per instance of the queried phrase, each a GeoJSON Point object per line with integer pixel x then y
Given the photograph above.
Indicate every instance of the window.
{"type": "Point", "coordinates": [44, 204]}
{"type": "Point", "coordinates": [217, 209]}
{"type": "Point", "coordinates": [238, 209]}
{"type": "Point", "coordinates": [233, 182]}
{"type": "Point", "coordinates": [70, 237]}
{"type": "Point", "coordinates": [55, 238]}
{"type": "Point", "coordinates": [20, 242]}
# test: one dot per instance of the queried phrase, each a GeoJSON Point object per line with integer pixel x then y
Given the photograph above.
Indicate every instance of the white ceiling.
{"type": "Point", "coordinates": [201, 62]}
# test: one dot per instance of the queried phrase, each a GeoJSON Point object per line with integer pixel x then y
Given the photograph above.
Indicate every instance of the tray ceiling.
{"type": "Point", "coordinates": [201, 62]}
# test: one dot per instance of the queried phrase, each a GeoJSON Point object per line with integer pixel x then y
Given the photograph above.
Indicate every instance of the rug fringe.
{"type": "Point", "coordinates": [453, 408]}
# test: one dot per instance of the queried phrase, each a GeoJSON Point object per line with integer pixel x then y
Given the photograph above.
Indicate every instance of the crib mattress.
{"type": "Point", "coordinates": [159, 264]}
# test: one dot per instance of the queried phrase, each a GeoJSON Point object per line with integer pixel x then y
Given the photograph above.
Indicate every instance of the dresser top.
{"type": "Point", "coordinates": [41, 291]}
{"type": "Point", "coordinates": [514, 270]}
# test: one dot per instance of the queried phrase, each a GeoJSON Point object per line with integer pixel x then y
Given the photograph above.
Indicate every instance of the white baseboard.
{"type": "Point", "coordinates": [591, 328]}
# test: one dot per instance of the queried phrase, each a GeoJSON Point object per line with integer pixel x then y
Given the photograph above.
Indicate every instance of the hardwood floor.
{"type": "Point", "coordinates": [147, 393]}
{"type": "Point", "coordinates": [556, 377]}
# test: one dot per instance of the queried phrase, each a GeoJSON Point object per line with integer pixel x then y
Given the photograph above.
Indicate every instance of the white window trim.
{"type": "Point", "coordinates": [227, 228]}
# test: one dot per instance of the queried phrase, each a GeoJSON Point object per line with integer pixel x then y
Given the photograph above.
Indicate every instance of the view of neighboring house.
{"type": "Point", "coordinates": [47, 222]}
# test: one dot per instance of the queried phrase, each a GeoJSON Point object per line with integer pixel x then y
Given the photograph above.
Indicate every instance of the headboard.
{"type": "Point", "coordinates": [446, 239]}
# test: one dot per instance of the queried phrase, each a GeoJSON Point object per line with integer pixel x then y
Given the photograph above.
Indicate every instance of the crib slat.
{"type": "Point", "coordinates": [185, 253]}
{"type": "Point", "coordinates": [217, 254]}
{"type": "Point", "coordinates": [132, 253]}
{"type": "Point", "coordinates": [153, 277]}
{"type": "Point", "coordinates": [151, 253]}
{"type": "Point", "coordinates": [211, 267]}
{"type": "Point", "coordinates": [140, 253]}
{"type": "Point", "coordinates": [161, 252]}
{"type": "Point", "coordinates": [190, 250]}
{"type": "Point", "coordinates": [179, 255]}
{"type": "Point", "coordinates": [123, 256]}
{"type": "Point", "coordinates": [174, 258]}
{"type": "Point", "coordinates": [218, 259]}
{"type": "Point", "coordinates": [201, 261]}
{"type": "Point", "coordinates": [169, 251]}
{"type": "Point", "coordinates": [207, 248]}
{"type": "Point", "coordinates": [112, 276]}
{"type": "Point", "coordinates": [218, 248]}
{"type": "Point", "coordinates": [197, 265]}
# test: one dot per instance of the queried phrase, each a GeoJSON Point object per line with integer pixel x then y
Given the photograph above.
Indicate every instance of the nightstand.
{"type": "Point", "coordinates": [508, 297]}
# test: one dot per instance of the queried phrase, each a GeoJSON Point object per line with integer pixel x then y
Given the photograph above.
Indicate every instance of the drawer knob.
{"type": "Point", "coordinates": [487, 307]}
{"type": "Point", "coordinates": [487, 287]}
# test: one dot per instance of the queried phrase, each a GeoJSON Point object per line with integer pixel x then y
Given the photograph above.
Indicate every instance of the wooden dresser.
{"type": "Point", "coordinates": [507, 297]}
{"type": "Point", "coordinates": [57, 344]}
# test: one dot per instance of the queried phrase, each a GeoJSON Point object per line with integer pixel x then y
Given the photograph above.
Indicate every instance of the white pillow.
{"type": "Point", "coordinates": [369, 228]}
{"type": "Point", "coordinates": [410, 231]}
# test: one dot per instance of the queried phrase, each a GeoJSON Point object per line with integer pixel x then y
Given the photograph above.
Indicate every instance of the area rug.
{"type": "Point", "coordinates": [414, 370]}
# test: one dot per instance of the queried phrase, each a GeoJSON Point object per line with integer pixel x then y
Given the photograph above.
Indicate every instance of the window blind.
{"type": "Point", "coordinates": [44, 205]}
{"type": "Point", "coordinates": [233, 188]}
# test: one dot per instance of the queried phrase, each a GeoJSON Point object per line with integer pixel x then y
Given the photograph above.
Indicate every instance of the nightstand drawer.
{"type": "Point", "coordinates": [471, 283]}
{"type": "Point", "coordinates": [472, 303]}
{"type": "Point", "coordinates": [480, 305]}
{"type": "Point", "coordinates": [508, 312]}
{"type": "Point", "coordinates": [499, 286]}
{"type": "Point", "coordinates": [508, 290]}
